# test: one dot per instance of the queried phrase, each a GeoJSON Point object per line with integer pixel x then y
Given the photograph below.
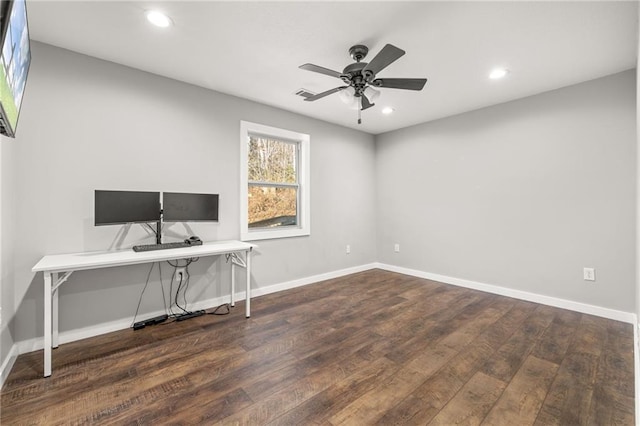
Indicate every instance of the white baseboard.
{"type": "Point", "coordinates": [7, 365]}
{"type": "Point", "coordinates": [37, 343]}
{"type": "Point", "coordinates": [121, 324]}
{"type": "Point", "coordinates": [584, 308]}
{"type": "Point", "coordinates": [261, 291]}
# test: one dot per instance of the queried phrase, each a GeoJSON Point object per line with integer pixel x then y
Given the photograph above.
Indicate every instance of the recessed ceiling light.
{"type": "Point", "coordinates": [387, 110]}
{"type": "Point", "coordinates": [158, 19]}
{"type": "Point", "coordinates": [498, 73]}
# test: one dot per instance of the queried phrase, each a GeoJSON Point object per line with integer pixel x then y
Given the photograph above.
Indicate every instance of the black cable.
{"type": "Point", "coordinates": [186, 286]}
{"type": "Point", "coordinates": [215, 311]}
{"type": "Point", "coordinates": [182, 285]}
{"type": "Point", "coordinates": [175, 266]}
{"type": "Point", "coordinates": [178, 293]}
{"type": "Point", "coordinates": [142, 294]}
{"type": "Point", "coordinates": [164, 299]}
{"type": "Point", "coordinates": [187, 262]}
{"type": "Point", "coordinates": [170, 294]}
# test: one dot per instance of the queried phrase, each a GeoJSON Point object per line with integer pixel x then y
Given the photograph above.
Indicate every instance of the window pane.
{"type": "Point", "coordinates": [272, 160]}
{"type": "Point", "coordinates": [271, 207]}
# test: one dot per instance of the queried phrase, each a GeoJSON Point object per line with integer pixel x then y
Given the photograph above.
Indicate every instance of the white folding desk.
{"type": "Point", "coordinates": [52, 265]}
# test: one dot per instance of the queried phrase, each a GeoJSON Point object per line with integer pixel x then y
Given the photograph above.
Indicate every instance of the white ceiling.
{"type": "Point", "coordinates": [253, 49]}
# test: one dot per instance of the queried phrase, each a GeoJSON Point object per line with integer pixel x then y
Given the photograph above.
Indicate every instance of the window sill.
{"type": "Point", "coordinates": [272, 234]}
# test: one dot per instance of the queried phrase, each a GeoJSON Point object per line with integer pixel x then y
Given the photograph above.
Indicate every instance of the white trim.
{"type": "Point", "coordinates": [96, 330]}
{"type": "Point", "coordinates": [304, 183]}
{"type": "Point", "coordinates": [36, 344]}
{"type": "Point", "coordinates": [584, 308]}
{"type": "Point", "coordinates": [261, 291]}
{"type": "Point", "coordinates": [7, 365]}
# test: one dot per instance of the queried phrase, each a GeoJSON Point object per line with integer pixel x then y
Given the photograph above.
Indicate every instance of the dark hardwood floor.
{"type": "Point", "coordinates": [371, 348]}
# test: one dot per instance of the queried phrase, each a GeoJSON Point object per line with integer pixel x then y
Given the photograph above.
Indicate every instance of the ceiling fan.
{"type": "Point", "coordinates": [360, 77]}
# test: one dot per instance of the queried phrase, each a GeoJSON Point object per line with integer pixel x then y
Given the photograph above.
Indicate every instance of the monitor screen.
{"type": "Point", "coordinates": [186, 207]}
{"type": "Point", "coordinates": [119, 207]}
{"type": "Point", "coordinates": [15, 59]}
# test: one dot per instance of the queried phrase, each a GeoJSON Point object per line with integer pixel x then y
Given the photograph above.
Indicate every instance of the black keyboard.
{"type": "Point", "coordinates": [163, 246]}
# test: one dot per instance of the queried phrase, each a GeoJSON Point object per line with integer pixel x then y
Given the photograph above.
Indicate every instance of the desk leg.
{"type": "Point", "coordinates": [233, 284]}
{"type": "Point", "coordinates": [54, 311]}
{"type": "Point", "coordinates": [247, 257]}
{"type": "Point", "coordinates": [47, 324]}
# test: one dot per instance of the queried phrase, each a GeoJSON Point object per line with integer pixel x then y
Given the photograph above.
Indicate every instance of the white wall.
{"type": "Point", "coordinates": [521, 195]}
{"type": "Point", "coordinates": [7, 205]}
{"type": "Point", "coordinates": [89, 124]}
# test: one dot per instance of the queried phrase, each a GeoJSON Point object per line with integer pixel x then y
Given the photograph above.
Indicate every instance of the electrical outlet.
{"type": "Point", "coordinates": [348, 248]}
{"type": "Point", "coordinates": [589, 274]}
{"type": "Point", "coordinates": [396, 248]}
{"type": "Point", "coordinates": [181, 274]}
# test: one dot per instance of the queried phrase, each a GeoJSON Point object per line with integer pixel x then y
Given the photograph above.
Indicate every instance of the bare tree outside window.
{"type": "Point", "coordinates": [272, 182]}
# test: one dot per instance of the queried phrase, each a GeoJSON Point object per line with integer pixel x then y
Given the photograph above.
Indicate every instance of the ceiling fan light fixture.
{"type": "Point", "coordinates": [158, 18]}
{"type": "Point", "coordinates": [498, 73]}
{"type": "Point", "coordinates": [347, 95]}
{"type": "Point", "coordinates": [371, 94]}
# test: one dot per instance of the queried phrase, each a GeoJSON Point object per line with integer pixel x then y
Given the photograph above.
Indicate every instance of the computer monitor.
{"type": "Point", "coordinates": [15, 59]}
{"type": "Point", "coordinates": [121, 207]}
{"type": "Point", "coordinates": [188, 207]}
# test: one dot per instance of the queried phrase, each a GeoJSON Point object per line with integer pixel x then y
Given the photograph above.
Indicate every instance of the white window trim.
{"type": "Point", "coordinates": [304, 226]}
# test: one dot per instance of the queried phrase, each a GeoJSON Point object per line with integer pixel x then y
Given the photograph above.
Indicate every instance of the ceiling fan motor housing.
{"type": "Point", "coordinates": [353, 76]}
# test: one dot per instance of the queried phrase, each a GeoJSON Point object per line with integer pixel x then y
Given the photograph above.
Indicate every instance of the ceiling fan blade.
{"type": "Point", "coordinates": [387, 55]}
{"type": "Point", "coordinates": [323, 94]}
{"type": "Point", "coordinates": [321, 70]}
{"type": "Point", "coordinates": [400, 83]}
{"type": "Point", "coordinates": [366, 103]}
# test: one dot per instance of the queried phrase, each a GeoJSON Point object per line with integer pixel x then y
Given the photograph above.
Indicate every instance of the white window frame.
{"type": "Point", "coordinates": [303, 227]}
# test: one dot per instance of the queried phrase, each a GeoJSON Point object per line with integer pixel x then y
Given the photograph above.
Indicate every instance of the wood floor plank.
{"type": "Point", "coordinates": [510, 357]}
{"type": "Point", "coordinates": [278, 403]}
{"type": "Point", "coordinates": [556, 339]}
{"type": "Point", "coordinates": [472, 403]}
{"type": "Point", "coordinates": [433, 394]}
{"type": "Point", "coordinates": [445, 321]}
{"type": "Point", "coordinates": [613, 392]}
{"type": "Point", "coordinates": [525, 394]}
{"type": "Point", "coordinates": [374, 347]}
{"type": "Point", "coordinates": [569, 398]}
{"type": "Point", "coordinates": [590, 336]}
{"type": "Point", "coordinates": [374, 404]}
{"type": "Point", "coordinates": [319, 408]}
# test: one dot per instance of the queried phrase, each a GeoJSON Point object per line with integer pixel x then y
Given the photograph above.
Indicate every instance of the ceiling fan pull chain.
{"type": "Point", "coordinates": [359, 110]}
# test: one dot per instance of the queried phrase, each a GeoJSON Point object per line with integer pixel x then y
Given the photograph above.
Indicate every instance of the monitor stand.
{"type": "Point", "coordinates": [159, 232]}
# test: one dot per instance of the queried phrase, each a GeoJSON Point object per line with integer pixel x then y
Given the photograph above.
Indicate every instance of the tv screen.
{"type": "Point", "coordinates": [15, 59]}
{"type": "Point", "coordinates": [119, 207]}
{"type": "Point", "coordinates": [186, 207]}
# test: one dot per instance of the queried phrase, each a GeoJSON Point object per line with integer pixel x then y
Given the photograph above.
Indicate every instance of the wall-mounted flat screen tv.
{"type": "Point", "coordinates": [15, 59]}
{"type": "Point", "coordinates": [121, 207]}
{"type": "Point", "coordinates": [188, 207]}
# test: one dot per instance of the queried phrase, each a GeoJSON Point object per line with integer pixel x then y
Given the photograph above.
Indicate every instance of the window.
{"type": "Point", "coordinates": [274, 183]}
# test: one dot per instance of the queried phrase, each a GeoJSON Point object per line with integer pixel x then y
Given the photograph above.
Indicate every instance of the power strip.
{"type": "Point", "coordinates": [151, 321]}
{"type": "Point", "coordinates": [190, 315]}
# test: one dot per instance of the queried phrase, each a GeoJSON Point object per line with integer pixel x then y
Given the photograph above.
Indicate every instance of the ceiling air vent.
{"type": "Point", "coordinates": [304, 93]}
